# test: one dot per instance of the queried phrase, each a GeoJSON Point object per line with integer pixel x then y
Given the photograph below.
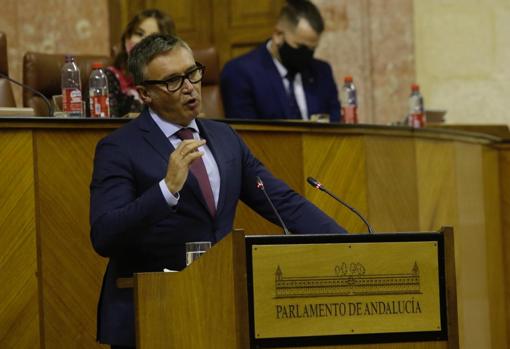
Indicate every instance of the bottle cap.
{"type": "Point", "coordinates": [97, 65]}
{"type": "Point", "coordinates": [415, 87]}
{"type": "Point", "coordinates": [69, 58]}
{"type": "Point", "coordinates": [348, 79]}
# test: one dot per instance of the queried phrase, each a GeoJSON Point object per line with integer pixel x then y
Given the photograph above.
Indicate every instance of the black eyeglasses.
{"type": "Point", "coordinates": [175, 82]}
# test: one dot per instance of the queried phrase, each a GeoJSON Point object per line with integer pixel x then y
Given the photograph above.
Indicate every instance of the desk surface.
{"type": "Point", "coordinates": [470, 135]}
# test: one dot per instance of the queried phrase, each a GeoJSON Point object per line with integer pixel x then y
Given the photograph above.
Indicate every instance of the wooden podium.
{"type": "Point", "coordinates": [313, 291]}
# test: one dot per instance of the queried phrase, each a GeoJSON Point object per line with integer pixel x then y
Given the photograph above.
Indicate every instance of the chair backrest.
{"type": "Point", "coordinates": [6, 96]}
{"type": "Point", "coordinates": [42, 72]}
{"type": "Point", "coordinates": [212, 105]}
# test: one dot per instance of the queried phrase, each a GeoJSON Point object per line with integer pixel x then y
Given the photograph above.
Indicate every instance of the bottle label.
{"type": "Point", "coordinates": [350, 114]}
{"type": "Point", "coordinates": [71, 100]}
{"type": "Point", "coordinates": [417, 120]}
{"type": "Point", "coordinates": [99, 107]}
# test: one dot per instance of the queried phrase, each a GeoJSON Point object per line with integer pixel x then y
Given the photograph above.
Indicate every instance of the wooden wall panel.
{"type": "Point", "coordinates": [282, 165]}
{"type": "Point", "coordinates": [462, 184]}
{"type": "Point", "coordinates": [193, 19]}
{"type": "Point", "coordinates": [19, 295]}
{"type": "Point", "coordinates": [495, 251]}
{"type": "Point", "coordinates": [471, 250]}
{"type": "Point", "coordinates": [242, 27]}
{"type": "Point", "coordinates": [229, 25]}
{"type": "Point", "coordinates": [504, 175]}
{"type": "Point", "coordinates": [392, 191]}
{"type": "Point", "coordinates": [259, 13]}
{"type": "Point", "coordinates": [436, 184]}
{"type": "Point", "coordinates": [71, 271]}
{"type": "Point", "coordinates": [339, 164]}
{"type": "Point", "coordinates": [120, 13]}
{"type": "Point", "coordinates": [336, 161]}
{"type": "Point", "coordinates": [411, 183]}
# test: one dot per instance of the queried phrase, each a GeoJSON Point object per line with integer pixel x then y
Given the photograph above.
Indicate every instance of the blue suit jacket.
{"type": "Point", "coordinates": [252, 88]}
{"type": "Point", "coordinates": [132, 224]}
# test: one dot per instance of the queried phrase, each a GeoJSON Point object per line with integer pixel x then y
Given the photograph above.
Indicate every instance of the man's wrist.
{"type": "Point", "coordinates": [171, 198]}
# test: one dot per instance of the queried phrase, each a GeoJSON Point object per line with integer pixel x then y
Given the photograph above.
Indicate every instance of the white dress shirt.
{"type": "Point", "coordinates": [211, 166]}
{"type": "Point", "coordinates": [299, 91]}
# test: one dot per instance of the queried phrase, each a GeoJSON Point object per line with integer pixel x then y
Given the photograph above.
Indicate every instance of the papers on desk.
{"type": "Point", "coordinates": [7, 111]}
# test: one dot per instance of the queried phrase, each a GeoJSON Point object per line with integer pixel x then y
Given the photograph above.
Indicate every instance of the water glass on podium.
{"type": "Point", "coordinates": [195, 249]}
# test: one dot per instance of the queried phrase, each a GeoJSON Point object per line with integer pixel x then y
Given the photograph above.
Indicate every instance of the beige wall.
{"type": "Point", "coordinates": [463, 57]}
{"type": "Point", "coordinates": [53, 26]}
{"type": "Point", "coordinates": [372, 40]}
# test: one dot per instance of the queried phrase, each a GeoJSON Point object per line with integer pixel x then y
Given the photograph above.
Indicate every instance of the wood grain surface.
{"type": "Point", "coordinates": [402, 180]}
{"type": "Point", "coordinates": [211, 295]}
{"type": "Point", "coordinates": [71, 271]}
{"type": "Point", "coordinates": [19, 292]}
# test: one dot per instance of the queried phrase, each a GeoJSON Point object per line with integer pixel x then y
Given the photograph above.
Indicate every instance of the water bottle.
{"type": "Point", "coordinates": [416, 117]}
{"type": "Point", "coordinates": [71, 88]}
{"type": "Point", "coordinates": [349, 102]}
{"type": "Point", "coordinates": [98, 92]}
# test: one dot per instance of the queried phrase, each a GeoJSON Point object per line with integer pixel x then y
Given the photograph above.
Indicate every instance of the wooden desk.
{"type": "Point", "coordinates": [400, 179]}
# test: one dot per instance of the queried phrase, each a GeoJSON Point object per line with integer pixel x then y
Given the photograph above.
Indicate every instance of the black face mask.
{"type": "Point", "coordinates": [295, 59]}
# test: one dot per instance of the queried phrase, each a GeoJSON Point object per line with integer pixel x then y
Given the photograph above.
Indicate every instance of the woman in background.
{"type": "Point", "coordinates": [123, 95]}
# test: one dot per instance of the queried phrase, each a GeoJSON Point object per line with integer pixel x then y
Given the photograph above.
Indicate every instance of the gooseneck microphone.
{"type": "Point", "coordinates": [317, 185]}
{"type": "Point", "coordinates": [260, 185]}
{"type": "Point", "coordinates": [48, 104]}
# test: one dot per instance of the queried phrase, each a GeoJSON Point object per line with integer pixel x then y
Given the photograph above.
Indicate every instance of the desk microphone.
{"type": "Point", "coordinates": [317, 185]}
{"type": "Point", "coordinates": [260, 185]}
{"type": "Point", "coordinates": [48, 104]}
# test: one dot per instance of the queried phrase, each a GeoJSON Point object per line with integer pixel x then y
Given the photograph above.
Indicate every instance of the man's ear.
{"type": "Point", "coordinates": [144, 94]}
{"type": "Point", "coordinates": [278, 35]}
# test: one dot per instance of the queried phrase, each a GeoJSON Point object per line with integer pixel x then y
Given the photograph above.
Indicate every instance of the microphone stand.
{"type": "Point", "coordinates": [317, 185]}
{"type": "Point", "coordinates": [260, 185]}
{"type": "Point", "coordinates": [48, 104]}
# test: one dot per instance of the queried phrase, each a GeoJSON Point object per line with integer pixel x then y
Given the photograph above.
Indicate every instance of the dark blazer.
{"type": "Point", "coordinates": [132, 224]}
{"type": "Point", "coordinates": [252, 88]}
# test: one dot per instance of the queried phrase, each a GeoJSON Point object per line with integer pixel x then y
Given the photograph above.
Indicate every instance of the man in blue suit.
{"type": "Point", "coordinates": [167, 178]}
{"type": "Point", "coordinates": [280, 79]}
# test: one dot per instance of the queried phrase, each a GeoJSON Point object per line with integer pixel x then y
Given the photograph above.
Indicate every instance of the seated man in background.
{"type": "Point", "coordinates": [167, 178]}
{"type": "Point", "coordinates": [280, 79]}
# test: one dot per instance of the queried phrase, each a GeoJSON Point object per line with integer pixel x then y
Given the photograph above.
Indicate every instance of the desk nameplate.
{"type": "Point", "coordinates": [345, 289]}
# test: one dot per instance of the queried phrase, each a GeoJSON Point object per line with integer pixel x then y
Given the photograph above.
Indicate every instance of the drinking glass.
{"type": "Point", "coordinates": [195, 249]}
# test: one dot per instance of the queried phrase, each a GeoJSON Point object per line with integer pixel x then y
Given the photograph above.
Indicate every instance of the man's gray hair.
{"type": "Point", "coordinates": [147, 49]}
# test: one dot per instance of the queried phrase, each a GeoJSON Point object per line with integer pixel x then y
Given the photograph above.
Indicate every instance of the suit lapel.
{"type": "Point", "coordinates": [154, 136]}
{"type": "Point", "coordinates": [275, 81]}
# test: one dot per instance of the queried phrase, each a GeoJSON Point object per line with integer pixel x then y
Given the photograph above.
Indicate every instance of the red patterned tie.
{"type": "Point", "coordinates": [199, 171]}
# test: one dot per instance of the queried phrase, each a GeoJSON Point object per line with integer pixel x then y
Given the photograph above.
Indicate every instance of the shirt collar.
{"type": "Point", "coordinates": [279, 66]}
{"type": "Point", "coordinates": [169, 129]}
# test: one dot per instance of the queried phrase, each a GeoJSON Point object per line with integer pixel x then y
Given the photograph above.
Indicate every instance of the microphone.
{"type": "Point", "coordinates": [260, 185]}
{"type": "Point", "coordinates": [48, 104]}
{"type": "Point", "coordinates": [317, 185]}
